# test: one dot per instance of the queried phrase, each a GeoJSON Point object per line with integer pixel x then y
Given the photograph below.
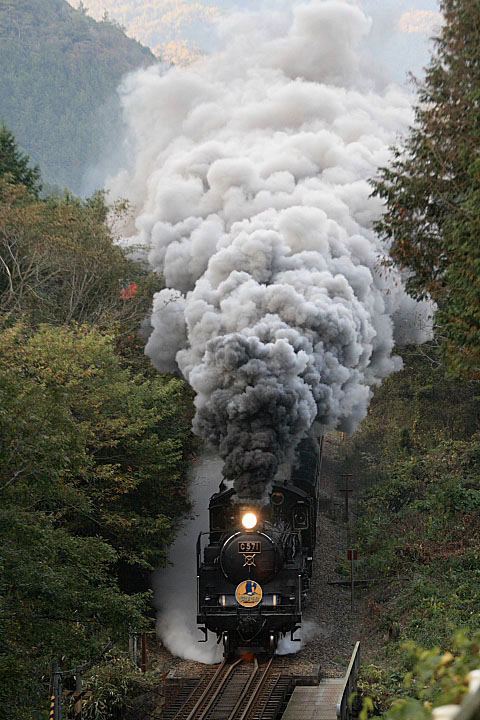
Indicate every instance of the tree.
{"type": "Point", "coordinates": [92, 481]}
{"type": "Point", "coordinates": [59, 263]}
{"type": "Point", "coordinates": [432, 188]}
{"type": "Point", "coordinates": [16, 165]}
{"type": "Point", "coordinates": [59, 602]}
{"type": "Point", "coordinates": [105, 449]}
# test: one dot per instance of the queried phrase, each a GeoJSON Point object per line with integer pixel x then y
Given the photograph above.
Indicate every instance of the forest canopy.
{"type": "Point", "coordinates": [94, 445]}
{"type": "Point", "coordinates": [59, 71]}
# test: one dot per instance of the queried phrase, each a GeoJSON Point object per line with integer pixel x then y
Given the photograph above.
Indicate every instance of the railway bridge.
{"type": "Point", "coordinates": [258, 688]}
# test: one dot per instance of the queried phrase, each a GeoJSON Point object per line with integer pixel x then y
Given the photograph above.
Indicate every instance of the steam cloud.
{"type": "Point", "coordinates": [307, 632]}
{"type": "Point", "coordinates": [175, 595]}
{"type": "Point", "coordinates": [251, 195]}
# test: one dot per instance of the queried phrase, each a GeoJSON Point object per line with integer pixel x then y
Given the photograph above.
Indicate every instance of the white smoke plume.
{"type": "Point", "coordinates": [251, 195]}
{"type": "Point", "coordinates": [175, 593]}
{"type": "Point", "coordinates": [303, 635]}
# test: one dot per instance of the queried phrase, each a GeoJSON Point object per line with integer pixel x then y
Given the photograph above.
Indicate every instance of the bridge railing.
{"type": "Point", "coordinates": [344, 710]}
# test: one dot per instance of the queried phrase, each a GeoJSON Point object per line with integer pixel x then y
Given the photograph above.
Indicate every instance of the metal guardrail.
{"type": "Point", "coordinates": [344, 710]}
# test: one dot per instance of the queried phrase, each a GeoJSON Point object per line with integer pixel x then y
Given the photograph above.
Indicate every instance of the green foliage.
{"type": "Point", "coordinates": [16, 165]}
{"type": "Point", "coordinates": [433, 678]}
{"type": "Point", "coordinates": [377, 687]}
{"type": "Point", "coordinates": [59, 263]}
{"type": "Point", "coordinates": [432, 188]}
{"type": "Point", "coordinates": [92, 460]}
{"type": "Point", "coordinates": [460, 317]}
{"type": "Point", "coordinates": [94, 445]}
{"type": "Point", "coordinates": [59, 70]}
{"type": "Point", "coordinates": [59, 602]}
{"type": "Point", "coordinates": [419, 514]}
{"type": "Point", "coordinates": [116, 686]}
{"type": "Point", "coordinates": [418, 455]}
{"type": "Point", "coordinates": [413, 411]}
{"type": "Point", "coordinates": [107, 448]}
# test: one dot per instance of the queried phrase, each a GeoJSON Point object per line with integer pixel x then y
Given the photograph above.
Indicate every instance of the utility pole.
{"type": "Point", "coordinates": [54, 696]}
{"type": "Point", "coordinates": [78, 692]}
{"type": "Point", "coordinates": [348, 477]}
{"type": "Point", "coordinates": [60, 696]}
{"type": "Point", "coordinates": [352, 556]}
{"type": "Point", "coordinates": [144, 652]}
{"type": "Point", "coordinates": [133, 647]}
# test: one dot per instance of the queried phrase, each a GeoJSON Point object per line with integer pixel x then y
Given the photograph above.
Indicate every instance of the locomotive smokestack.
{"type": "Point", "coordinates": [252, 196]}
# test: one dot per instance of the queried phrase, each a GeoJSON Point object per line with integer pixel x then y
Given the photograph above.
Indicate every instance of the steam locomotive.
{"type": "Point", "coordinates": [255, 563]}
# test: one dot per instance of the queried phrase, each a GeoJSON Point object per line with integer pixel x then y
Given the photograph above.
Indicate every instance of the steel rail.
{"type": "Point", "coordinates": [255, 693]}
{"type": "Point", "coordinates": [203, 714]}
{"type": "Point", "coordinates": [220, 687]}
{"type": "Point", "coordinates": [207, 689]}
{"type": "Point", "coordinates": [244, 691]}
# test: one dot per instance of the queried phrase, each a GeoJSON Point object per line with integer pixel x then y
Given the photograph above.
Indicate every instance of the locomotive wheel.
{"type": "Point", "coordinates": [272, 643]}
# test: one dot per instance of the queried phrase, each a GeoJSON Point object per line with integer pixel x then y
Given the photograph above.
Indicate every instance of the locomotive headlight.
{"type": "Point", "coordinates": [249, 520]}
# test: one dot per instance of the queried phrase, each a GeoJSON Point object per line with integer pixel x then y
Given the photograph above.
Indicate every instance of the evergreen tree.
{"type": "Point", "coordinates": [16, 165]}
{"type": "Point", "coordinates": [432, 189]}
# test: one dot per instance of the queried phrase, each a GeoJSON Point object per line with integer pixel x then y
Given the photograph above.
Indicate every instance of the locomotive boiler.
{"type": "Point", "coordinates": [255, 563]}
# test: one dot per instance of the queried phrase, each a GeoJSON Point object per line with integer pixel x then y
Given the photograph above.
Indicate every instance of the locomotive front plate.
{"type": "Point", "coordinates": [250, 546]}
{"type": "Point", "coordinates": [248, 593]}
{"type": "Point", "coordinates": [256, 555]}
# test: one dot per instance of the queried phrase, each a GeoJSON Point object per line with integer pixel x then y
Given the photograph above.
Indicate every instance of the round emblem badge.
{"type": "Point", "coordinates": [248, 593]}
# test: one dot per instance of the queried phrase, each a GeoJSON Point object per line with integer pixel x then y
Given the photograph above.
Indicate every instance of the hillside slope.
{"type": "Point", "coordinates": [175, 31]}
{"type": "Point", "coordinates": [59, 70]}
{"type": "Point", "coordinates": [416, 471]}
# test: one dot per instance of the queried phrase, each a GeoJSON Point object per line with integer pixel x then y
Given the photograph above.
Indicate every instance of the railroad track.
{"type": "Point", "coordinates": [241, 690]}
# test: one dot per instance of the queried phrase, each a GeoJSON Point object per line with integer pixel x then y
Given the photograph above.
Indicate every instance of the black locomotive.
{"type": "Point", "coordinates": [254, 565]}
